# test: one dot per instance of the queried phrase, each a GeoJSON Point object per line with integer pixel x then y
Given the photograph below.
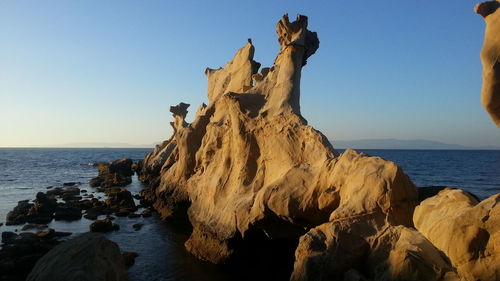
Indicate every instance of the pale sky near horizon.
{"type": "Point", "coordinates": [107, 71]}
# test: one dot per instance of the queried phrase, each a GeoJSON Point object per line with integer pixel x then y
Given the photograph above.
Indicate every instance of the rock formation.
{"type": "Point", "coordinates": [89, 256]}
{"type": "Point", "coordinates": [490, 57]}
{"type": "Point", "coordinates": [250, 161]}
{"type": "Point", "coordinates": [249, 166]}
{"type": "Point", "coordinates": [466, 230]}
{"type": "Point", "coordinates": [114, 173]}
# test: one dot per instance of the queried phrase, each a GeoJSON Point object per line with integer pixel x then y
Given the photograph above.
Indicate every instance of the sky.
{"type": "Point", "coordinates": [107, 71]}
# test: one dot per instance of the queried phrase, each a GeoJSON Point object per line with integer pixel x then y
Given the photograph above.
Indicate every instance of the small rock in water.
{"type": "Point", "coordinates": [68, 212]}
{"type": "Point", "coordinates": [101, 226]}
{"type": "Point", "coordinates": [70, 183]}
{"type": "Point", "coordinates": [129, 258]}
{"type": "Point", "coordinates": [137, 226]}
{"type": "Point", "coordinates": [31, 226]}
{"type": "Point", "coordinates": [146, 213]}
{"type": "Point", "coordinates": [49, 187]}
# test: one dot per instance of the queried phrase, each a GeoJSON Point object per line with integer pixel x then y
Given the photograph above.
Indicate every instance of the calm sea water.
{"type": "Point", "coordinates": [25, 171]}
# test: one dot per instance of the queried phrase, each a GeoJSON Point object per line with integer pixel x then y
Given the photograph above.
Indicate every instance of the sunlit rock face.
{"type": "Point", "coordinates": [250, 163]}
{"type": "Point", "coordinates": [490, 57]}
{"type": "Point", "coordinates": [466, 230]}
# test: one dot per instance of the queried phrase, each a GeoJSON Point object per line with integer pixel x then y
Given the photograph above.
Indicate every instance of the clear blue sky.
{"type": "Point", "coordinates": [107, 71]}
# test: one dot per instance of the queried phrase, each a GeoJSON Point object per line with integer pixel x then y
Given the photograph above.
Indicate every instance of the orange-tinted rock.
{"type": "Point", "coordinates": [466, 230]}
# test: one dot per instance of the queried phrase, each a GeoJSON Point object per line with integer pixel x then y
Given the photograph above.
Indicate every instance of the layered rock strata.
{"type": "Point", "coordinates": [490, 57]}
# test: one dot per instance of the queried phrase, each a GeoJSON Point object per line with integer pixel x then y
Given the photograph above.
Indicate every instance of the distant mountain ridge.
{"type": "Point", "coordinates": [402, 144]}
{"type": "Point", "coordinates": [102, 145]}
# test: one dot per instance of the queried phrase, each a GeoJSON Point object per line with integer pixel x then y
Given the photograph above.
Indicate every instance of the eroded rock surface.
{"type": "Point", "coordinates": [250, 161]}
{"type": "Point", "coordinates": [490, 57]}
{"type": "Point", "coordinates": [249, 167]}
{"type": "Point", "coordinates": [466, 230]}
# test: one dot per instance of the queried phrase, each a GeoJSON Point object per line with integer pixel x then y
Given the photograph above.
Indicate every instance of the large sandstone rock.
{"type": "Point", "coordinates": [89, 256]}
{"type": "Point", "coordinates": [249, 161]}
{"type": "Point", "coordinates": [490, 57]}
{"type": "Point", "coordinates": [368, 249]}
{"type": "Point", "coordinates": [466, 230]}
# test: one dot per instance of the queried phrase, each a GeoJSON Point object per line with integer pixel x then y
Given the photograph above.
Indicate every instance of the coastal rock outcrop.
{"type": "Point", "coordinates": [490, 57]}
{"type": "Point", "coordinates": [249, 162]}
{"type": "Point", "coordinates": [249, 166]}
{"type": "Point", "coordinates": [89, 256]}
{"type": "Point", "coordinates": [115, 173]}
{"type": "Point", "coordinates": [466, 230]}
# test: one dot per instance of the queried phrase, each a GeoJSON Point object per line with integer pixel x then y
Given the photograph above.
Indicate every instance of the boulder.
{"type": "Point", "coordinates": [89, 256]}
{"type": "Point", "coordinates": [32, 226]}
{"type": "Point", "coordinates": [129, 258]}
{"type": "Point", "coordinates": [490, 57]}
{"type": "Point", "coordinates": [68, 212]}
{"type": "Point", "coordinates": [120, 200]}
{"type": "Point", "coordinates": [121, 166]}
{"type": "Point", "coordinates": [466, 230]}
{"type": "Point", "coordinates": [112, 174]}
{"type": "Point", "coordinates": [20, 252]}
{"type": "Point", "coordinates": [19, 215]}
{"type": "Point", "coordinates": [369, 249]}
{"type": "Point", "coordinates": [101, 226]}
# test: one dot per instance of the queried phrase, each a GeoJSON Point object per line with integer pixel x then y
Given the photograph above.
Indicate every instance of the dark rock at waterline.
{"type": "Point", "coordinates": [146, 213]}
{"type": "Point", "coordinates": [43, 209]}
{"type": "Point", "coordinates": [87, 257]}
{"type": "Point", "coordinates": [20, 252]}
{"type": "Point", "coordinates": [19, 215]}
{"type": "Point", "coordinates": [122, 166]}
{"type": "Point", "coordinates": [96, 211]}
{"type": "Point", "coordinates": [101, 226]}
{"type": "Point", "coordinates": [70, 183]}
{"type": "Point", "coordinates": [51, 233]}
{"type": "Point", "coordinates": [129, 258]}
{"type": "Point", "coordinates": [33, 226]}
{"type": "Point", "coordinates": [68, 212]}
{"type": "Point", "coordinates": [116, 173]}
{"type": "Point", "coordinates": [120, 200]}
{"type": "Point", "coordinates": [137, 226]}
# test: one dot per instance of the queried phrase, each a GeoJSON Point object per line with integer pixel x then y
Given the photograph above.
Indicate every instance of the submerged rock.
{"type": "Point", "coordinates": [490, 57]}
{"type": "Point", "coordinates": [89, 256]}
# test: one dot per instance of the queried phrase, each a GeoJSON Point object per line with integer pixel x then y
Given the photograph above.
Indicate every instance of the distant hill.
{"type": "Point", "coordinates": [102, 145]}
{"type": "Point", "coordinates": [399, 144]}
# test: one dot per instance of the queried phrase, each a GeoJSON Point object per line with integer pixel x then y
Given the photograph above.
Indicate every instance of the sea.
{"type": "Point", "coordinates": [160, 244]}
